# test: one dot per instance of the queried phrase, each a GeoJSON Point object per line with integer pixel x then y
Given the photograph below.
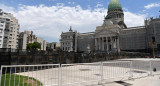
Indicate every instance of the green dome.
{"type": "Point", "coordinates": [114, 4]}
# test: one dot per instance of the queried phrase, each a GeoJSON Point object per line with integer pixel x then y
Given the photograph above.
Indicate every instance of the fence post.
{"type": "Point", "coordinates": [1, 75]}
{"type": "Point", "coordinates": [60, 75]}
{"type": "Point", "coordinates": [131, 71]}
{"type": "Point", "coordinates": [150, 67]}
{"type": "Point", "coordinates": [101, 71]}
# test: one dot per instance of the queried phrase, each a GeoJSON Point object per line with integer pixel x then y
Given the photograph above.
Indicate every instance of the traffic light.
{"type": "Point", "coordinates": [153, 40]}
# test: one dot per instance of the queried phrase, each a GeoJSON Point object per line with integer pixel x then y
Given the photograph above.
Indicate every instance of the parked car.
{"type": "Point", "coordinates": [157, 55]}
{"type": "Point", "coordinates": [147, 56]}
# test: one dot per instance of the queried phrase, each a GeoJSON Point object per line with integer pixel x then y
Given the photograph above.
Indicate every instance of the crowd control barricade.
{"type": "Point", "coordinates": [30, 75]}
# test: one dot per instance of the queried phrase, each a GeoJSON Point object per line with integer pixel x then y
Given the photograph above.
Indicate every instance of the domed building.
{"type": "Point", "coordinates": [114, 36]}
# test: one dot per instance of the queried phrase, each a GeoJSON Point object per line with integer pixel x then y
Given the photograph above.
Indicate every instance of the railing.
{"type": "Point", "coordinates": [66, 74]}
{"type": "Point", "coordinates": [33, 75]}
{"type": "Point", "coordinates": [113, 70]}
{"type": "Point", "coordinates": [78, 73]}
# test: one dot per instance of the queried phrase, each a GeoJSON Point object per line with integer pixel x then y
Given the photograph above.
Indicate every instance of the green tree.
{"type": "Point", "coordinates": [29, 46]}
{"type": "Point", "coordinates": [33, 46]}
{"type": "Point", "coordinates": [36, 45]}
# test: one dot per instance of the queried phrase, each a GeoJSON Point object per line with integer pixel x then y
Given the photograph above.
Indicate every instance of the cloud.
{"type": "Point", "coordinates": [133, 19]}
{"type": "Point", "coordinates": [49, 22]}
{"type": "Point", "coordinates": [71, 3]}
{"type": "Point", "coordinates": [6, 8]}
{"type": "Point", "coordinates": [149, 6]}
{"type": "Point", "coordinates": [99, 5]}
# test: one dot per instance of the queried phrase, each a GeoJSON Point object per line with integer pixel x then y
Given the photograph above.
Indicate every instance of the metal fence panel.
{"type": "Point", "coordinates": [141, 68]}
{"type": "Point", "coordinates": [30, 75]}
{"type": "Point", "coordinates": [116, 69]}
{"type": "Point", "coordinates": [155, 70]}
{"type": "Point", "coordinates": [78, 73]}
{"type": "Point", "coordinates": [66, 74]}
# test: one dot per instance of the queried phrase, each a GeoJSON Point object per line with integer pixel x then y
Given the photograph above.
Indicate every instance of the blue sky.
{"type": "Point", "coordinates": [48, 18]}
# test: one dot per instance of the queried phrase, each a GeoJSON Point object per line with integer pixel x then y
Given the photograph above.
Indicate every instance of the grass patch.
{"type": "Point", "coordinates": [18, 80]}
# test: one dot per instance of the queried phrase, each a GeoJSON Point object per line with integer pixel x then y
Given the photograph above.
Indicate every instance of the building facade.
{"type": "Point", "coordinates": [51, 46]}
{"type": "Point", "coordinates": [42, 42]}
{"type": "Point", "coordinates": [28, 37]}
{"type": "Point", "coordinates": [68, 41]}
{"type": "Point", "coordinates": [114, 36]}
{"type": "Point", "coordinates": [85, 42]}
{"type": "Point", "coordinates": [9, 30]}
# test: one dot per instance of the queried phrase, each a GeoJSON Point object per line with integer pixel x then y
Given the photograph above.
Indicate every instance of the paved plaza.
{"type": "Point", "coordinates": [90, 74]}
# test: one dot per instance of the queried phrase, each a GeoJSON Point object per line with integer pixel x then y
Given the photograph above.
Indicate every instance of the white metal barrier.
{"type": "Point", "coordinates": [78, 73]}
{"type": "Point", "coordinates": [66, 74]}
{"type": "Point", "coordinates": [117, 69]}
{"type": "Point", "coordinates": [155, 67]}
{"type": "Point", "coordinates": [141, 68]}
{"type": "Point", "coordinates": [30, 75]}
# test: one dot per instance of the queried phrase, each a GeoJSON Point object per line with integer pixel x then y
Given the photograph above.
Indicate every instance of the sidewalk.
{"type": "Point", "coordinates": [144, 81]}
{"type": "Point", "coordinates": [140, 59]}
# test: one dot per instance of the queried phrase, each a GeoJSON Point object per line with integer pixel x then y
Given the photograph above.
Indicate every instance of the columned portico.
{"type": "Point", "coordinates": [106, 43]}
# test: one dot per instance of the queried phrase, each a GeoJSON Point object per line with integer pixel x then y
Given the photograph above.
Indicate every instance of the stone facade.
{"type": "Point", "coordinates": [114, 36]}
{"type": "Point", "coordinates": [68, 41]}
{"type": "Point", "coordinates": [153, 30]}
{"type": "Point", "coordinates": [85, 42]}
{"type": "Point", "coordinates": [133, 39]}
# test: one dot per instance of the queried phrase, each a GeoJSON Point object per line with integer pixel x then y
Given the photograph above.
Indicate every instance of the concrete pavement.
{"type": "Point", "coordinates": [80, 73]}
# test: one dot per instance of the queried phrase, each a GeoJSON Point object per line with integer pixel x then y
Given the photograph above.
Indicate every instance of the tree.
{"type": "Point", "coordinates": [36, 45]}
{"type": "Point", "coordinates": [29, 46]}
{"type": "Point", "coordinates": [33, 46]}
{"type": "Point", "coordinates": [58, 49]}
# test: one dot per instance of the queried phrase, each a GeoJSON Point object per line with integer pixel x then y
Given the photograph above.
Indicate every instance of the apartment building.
{"type": "Point", "coordinates": [9, 30]}
{"type": "Point", "coordinates": [28, 37]}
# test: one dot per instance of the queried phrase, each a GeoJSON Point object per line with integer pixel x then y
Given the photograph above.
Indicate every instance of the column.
{"type": "Point", "coordinates": [98, 43]}
{"type": "Point", "coordinates": [102, 43]}
{"type": "Point", "coordinates": [95, 43]}
{"type": "Point", "coordinates": [118, 45]}
{"type": "Point", "coordinates": [114, 42]}
{"type": "Point", "coordinates": [111, 43]}
{"type": "Point", "coordinates": [107, 43]}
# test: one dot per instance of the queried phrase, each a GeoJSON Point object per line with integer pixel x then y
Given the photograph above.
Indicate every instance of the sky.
{"type": "Point", "coordinates": [49, 18]}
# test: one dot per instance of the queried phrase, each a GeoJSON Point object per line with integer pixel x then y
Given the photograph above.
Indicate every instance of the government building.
{"type": "Point", "coordinates": [114, 35]}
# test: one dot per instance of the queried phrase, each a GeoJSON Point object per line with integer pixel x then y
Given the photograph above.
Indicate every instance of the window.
{"type": "Point", "coordinates": [68, 48]}
{"type": "Point", "coordinates": [7, 19]}
{"type": "Point", "coordinates": [0, 36]}
{"type": "Point", "coordinates": [6, 37]}
{"type": "Point", "coordinates": [1, 30]}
